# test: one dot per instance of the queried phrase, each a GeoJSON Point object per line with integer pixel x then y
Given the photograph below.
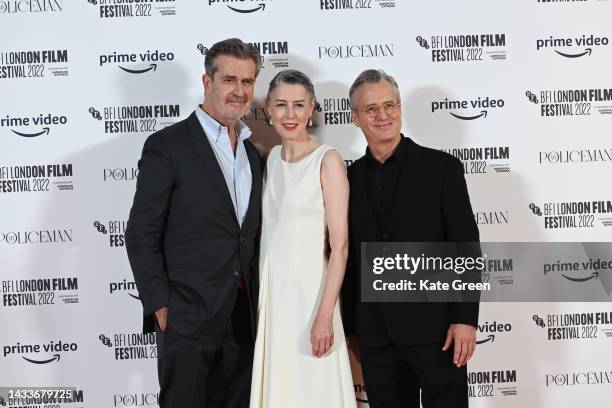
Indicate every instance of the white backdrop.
{"type": "Point", "coordinates": [84, 82]}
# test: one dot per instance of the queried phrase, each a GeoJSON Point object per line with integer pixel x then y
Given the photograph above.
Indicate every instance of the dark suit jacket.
{"type": "Point", "coordinates": [432, 205]}
{"type": "Point", "coordinates": [184, 243]}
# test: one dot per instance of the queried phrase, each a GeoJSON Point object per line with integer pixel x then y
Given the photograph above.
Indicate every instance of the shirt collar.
{"type": "Point", "coordinates": [214, 130]}
{"type": "Point", "coordinates": [398, 154]}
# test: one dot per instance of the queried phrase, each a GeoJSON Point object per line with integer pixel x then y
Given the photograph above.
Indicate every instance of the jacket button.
{"type": "Point", "coordinates": [236, 274]}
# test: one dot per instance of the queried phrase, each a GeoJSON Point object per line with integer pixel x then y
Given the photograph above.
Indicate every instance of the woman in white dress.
{"type": "Point", "coordinates": [301, 357]}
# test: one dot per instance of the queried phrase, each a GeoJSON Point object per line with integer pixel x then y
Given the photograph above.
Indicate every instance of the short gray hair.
{"type": "Point", "coordinates": [291, 77]}
{"type": "Point", "coordinates": [234, 47]}
{"type": "Point", "coordinates": [372, 76]}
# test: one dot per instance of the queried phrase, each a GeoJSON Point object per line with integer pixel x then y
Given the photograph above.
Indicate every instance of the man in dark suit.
{"type": "Point", "coordinates": [192, 237]}
{"type": "Point", "coordinates": [403, 192]}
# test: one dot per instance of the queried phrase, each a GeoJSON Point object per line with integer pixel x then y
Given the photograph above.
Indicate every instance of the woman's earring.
{"type": "Point", "coordinates": [310, 122]}
{"type": "Point", "coordinates": [270, 122]}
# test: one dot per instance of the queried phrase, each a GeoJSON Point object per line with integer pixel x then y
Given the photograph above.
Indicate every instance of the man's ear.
{"type": "Point", "coordinates": [354, 118]}
{"type": "Point", "coordinates": [206, 80]}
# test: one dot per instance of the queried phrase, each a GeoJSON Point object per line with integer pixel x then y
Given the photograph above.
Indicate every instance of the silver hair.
{"type": "Point", "coordinates": [372, 76]}
{"type": "Point", "coordinates": [291, 77]}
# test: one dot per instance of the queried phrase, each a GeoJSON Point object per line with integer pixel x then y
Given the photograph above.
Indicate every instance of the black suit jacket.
{"type": "Point", "coordinates": [184, 243]}
{"type": "Point", "coordinates": [432, 205]}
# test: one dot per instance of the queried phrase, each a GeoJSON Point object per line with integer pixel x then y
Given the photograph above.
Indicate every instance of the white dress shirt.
{"type": "Point", "coordinates": [236, 168]}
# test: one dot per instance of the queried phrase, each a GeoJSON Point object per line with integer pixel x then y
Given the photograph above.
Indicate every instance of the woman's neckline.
{"type": "Point", "coordinates": [301, 158]}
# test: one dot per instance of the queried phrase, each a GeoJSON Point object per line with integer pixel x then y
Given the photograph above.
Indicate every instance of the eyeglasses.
{"type": "Point", "coordinates": [391, 108]}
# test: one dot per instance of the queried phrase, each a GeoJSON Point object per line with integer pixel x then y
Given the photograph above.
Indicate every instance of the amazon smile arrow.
{"type": "Point", "coordinates": [140, 71]}
{"type": "Point", "coordinates": [55, 357]}
{"type": "Point", "coordinates": [490, 337]}
{"type": "Point", "coordinates": [593, 275]}
{"type": "Point", "coordinates": [483, 114]}
{"type": "Point", "coordinates": [261, 7]}
{"type": "Point", "coordinates": [45, 130]}
{"type": "Point", "coordinates": [586, 51]}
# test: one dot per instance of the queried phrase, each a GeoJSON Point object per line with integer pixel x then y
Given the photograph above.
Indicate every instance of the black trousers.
{"type": "Point", "coordinates": [395, 377]}
{"type": "Point", "coordinates": [197, 374]}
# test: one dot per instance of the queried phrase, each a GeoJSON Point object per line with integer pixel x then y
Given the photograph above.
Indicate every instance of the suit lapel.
{"type": "Point", "coordinates": [205, 151]}
{"type": "Point", "coordinates": [256, 170]}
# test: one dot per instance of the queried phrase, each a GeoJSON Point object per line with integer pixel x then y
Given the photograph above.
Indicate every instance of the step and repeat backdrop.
{"type": "Point", "coordinates": [520, 91]}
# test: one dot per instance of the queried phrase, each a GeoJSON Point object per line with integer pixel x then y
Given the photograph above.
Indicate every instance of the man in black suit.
{"type": "Point", "coordinates": [192, 238]}
{"type": "Point", "coordinates": [403, 192]}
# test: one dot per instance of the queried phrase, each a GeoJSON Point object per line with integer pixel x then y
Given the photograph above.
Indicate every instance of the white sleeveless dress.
{"type": "Point", "coordinates": [292, 278]}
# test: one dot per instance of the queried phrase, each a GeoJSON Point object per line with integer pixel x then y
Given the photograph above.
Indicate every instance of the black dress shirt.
{"type": "Point", "coordinates": [382, 179]}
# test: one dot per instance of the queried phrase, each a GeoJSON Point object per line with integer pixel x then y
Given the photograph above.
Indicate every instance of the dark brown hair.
{"type": "Point", "coordinates": [233, 47]}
